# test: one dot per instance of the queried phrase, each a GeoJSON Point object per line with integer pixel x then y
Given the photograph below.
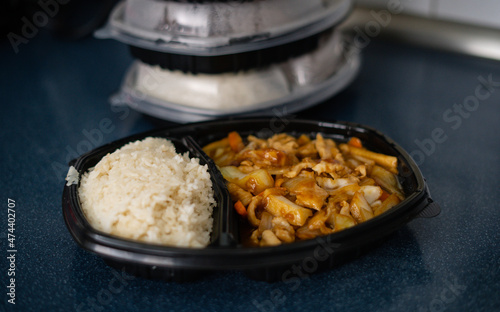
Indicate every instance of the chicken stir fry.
{"type": "Point", "coordinates": [293, 189]}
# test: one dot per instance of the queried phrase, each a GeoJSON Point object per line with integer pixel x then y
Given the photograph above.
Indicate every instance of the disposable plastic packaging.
{"type": "Point", "coordinates": [226, 251]}
{"type": "Point", "coordinates": [202, 60]}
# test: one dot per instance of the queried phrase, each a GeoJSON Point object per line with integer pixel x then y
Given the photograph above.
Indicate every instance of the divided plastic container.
{"type": "Point", "coordinates": [226, 251]}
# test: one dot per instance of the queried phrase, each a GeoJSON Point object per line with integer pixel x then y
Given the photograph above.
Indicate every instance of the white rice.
{"type": "Point", "coordinates": [72, 176]}
{"type": "Point", "coordinates": [146, 191]}
{"type": "Point", "coordinates": [212, 91]}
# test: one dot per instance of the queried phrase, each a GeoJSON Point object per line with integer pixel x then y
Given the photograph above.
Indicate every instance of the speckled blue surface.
{"type": "Point", "coordinates": [53, 92]}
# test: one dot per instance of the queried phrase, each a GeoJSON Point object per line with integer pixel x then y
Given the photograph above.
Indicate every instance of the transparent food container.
{"type": "Point", "coordinates": [289, 86]}
{"type": "Point", "coordinates": [200, 60]}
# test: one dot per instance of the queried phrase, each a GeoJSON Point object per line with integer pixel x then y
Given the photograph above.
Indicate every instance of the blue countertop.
{"type": "Point", "coordinates": [439, 106]}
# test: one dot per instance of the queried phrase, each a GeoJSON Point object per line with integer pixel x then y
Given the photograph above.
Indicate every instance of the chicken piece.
{"type": "Point", "coordinates": [257, 143]}
{"type": "Point", "coordinates": [278, 191]}
{"type": "Point", "coordinates": [296, 169]}
{"type": "Point", "coordinates": [255, 238]}
{"type": "Point", "coordinates": [307, 174]}
{"type": "Point", "coordinates": [318, 221]}
{"type": "Point", "coordinates": [360, 209]}
{"type": "Point", "coordinates": [307, 192]}
{"type": "Point", "coordinates": [339, 203]}
{"type": "Point", "coordinates": [326, 147]}
{"type": "Point", "coordinates": [334, 169]}
{"type": "Point", "coordinates": [293, 159]}
{"type": "Point", "coordinates": [249, 147]}
{"type": "Point", "coordinates": [283, 142]}
{"type": "Point", "coordinates": [325, 182]}
{"type": "Point", "coordinates": [266, 157]}
{"type": "Point", "coordinates": [330, 184]}
{"type": "Point", "coordinates": [360, 171]}
{"type": "Point", "coordinates": [237, 193]}
{"type": "Point", "coordinates": [269, 239]}
{"type": "Point", "coordinates": [265, 224]}
{"type": "Point", "coordinates": [283, 230]}
{"type": "Point", "coordinates": [339, 157]}
{"type": "Point", "coordinates": [280, 206]}
{"type": "Point", "coordinates": [304, 233]}
{"type": "Point", "coordinates": [307, 150]}
{"type": "Point", "coordinates": [280, 137]}
{"type": "Point", "coordinates": [335, 209]}
{"type": "Point", "coordinates": [303, 140]}
{"type": "Point", "coordinates": [290, 147]}
{"type": "Point", "coordinates": [315, 226]}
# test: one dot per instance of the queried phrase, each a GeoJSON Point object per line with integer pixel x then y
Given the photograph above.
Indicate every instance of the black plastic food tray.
{"type": "Point", "coordinates": [225, 251]}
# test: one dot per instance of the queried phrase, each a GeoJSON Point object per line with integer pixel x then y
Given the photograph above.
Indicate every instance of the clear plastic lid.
{"type": "Point", "coordinates": [289, 86]}
{"type": "Point", "coordinates": [219, 28]}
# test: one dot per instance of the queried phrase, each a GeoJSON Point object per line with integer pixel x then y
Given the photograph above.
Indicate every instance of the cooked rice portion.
{"type": "Point", "coordinates": [147, 192]}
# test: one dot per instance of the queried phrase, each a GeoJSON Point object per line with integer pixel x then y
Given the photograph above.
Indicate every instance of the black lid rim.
{"type": "Point", "coordinates": [230, 62]}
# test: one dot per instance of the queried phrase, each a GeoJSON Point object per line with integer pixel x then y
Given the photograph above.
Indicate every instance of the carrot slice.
{"type": "Point", "coordinates": [356, 142]}
{"type": "Point", "coordinates": [240, 208]}
{"type": "Point", "coordinates": [235, 141]}
{"type": "Point", "coordinates": [384, 195]}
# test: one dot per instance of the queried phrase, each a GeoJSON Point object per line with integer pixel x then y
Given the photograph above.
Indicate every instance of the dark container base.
{"type": "Point", "coordinates": [157, 273]}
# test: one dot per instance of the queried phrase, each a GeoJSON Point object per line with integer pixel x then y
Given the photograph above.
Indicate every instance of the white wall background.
{"type": "Point", "coordinates": [478, 12]}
